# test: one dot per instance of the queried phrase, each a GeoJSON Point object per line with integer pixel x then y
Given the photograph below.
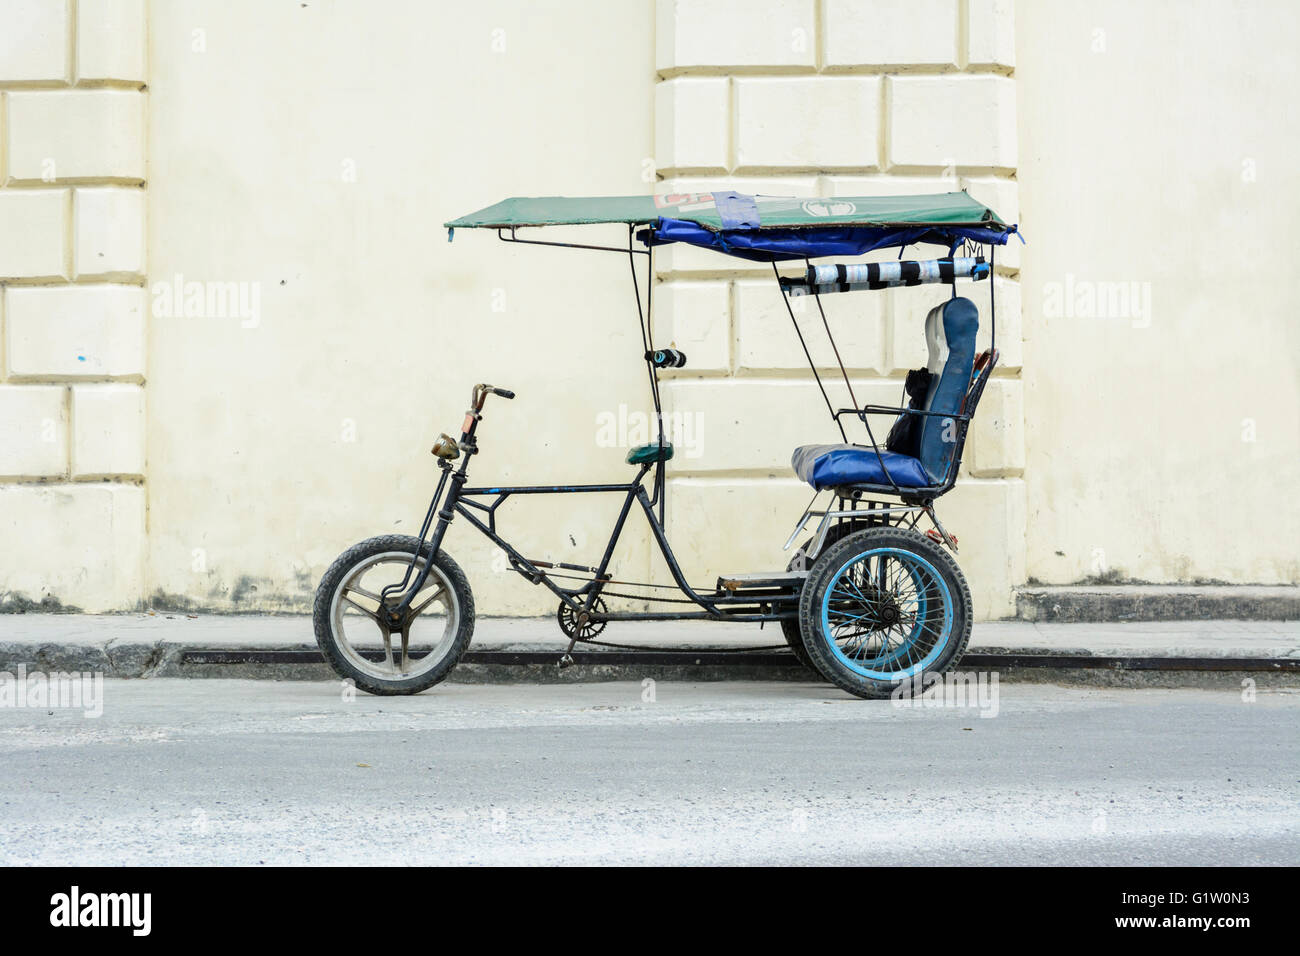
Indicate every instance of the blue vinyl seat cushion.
{"type": "Point", "coordinates": [830, 466]}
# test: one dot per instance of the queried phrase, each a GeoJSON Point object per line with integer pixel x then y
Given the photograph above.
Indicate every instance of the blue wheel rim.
{"type": "Point", "coordinates": [863, 634]}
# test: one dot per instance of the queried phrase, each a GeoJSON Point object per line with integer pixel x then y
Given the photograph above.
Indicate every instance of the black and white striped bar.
{"type": "Point", "coordinates": [855, 277]}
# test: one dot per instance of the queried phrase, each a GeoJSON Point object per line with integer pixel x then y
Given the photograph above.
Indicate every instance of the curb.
{"type": "Point", "coordinates": [505, 666]}
{"type": "Point", "coordinates": [1099, 604]}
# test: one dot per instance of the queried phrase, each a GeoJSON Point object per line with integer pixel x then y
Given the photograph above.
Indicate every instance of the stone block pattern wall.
{"type": "Point", "coordinates": [72, 302]}
{"type": "Point", "coordinates": [826, 98]}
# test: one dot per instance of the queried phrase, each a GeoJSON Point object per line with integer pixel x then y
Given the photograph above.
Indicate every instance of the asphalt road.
{"type": "Point", "coordinates": [246, 772]}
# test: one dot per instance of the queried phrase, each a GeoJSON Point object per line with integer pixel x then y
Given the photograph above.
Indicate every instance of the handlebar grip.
{"type": "Point", "coordinates": [503, 392]}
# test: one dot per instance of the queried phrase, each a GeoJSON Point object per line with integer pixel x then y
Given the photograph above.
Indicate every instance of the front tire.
{"type": "Point", "coordinates": [379, 659]}
{"type": "Point", "coordinates": [882, 609]}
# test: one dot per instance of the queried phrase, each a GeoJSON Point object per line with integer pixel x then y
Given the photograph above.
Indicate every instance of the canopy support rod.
{"type": "Point", "coordinates": [644, 319]}
{"type": "Point", "coordinates": [831, 338]}
{"type": "Point", "coordinates": [993, 299]}
{"type": "Point", "coordinates": [811, 364]}
{"type": "Point", "coordinates": [501, 234]}
{"type": "Point", "coordinates": [661, 466]}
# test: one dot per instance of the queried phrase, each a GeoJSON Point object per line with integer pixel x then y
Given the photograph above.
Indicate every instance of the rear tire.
{"type": "Point", "coordinates": [882, 609]}
{"type": "Point", "coordinates": [790, 626]}
{"type": "Point", "coordinates": [349, 643]}
{"type": "Point", "coordinates": [794, 637]}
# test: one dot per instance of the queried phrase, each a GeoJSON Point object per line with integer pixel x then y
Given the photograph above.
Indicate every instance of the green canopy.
{"type": "Point", "coordinates": [939, 209]}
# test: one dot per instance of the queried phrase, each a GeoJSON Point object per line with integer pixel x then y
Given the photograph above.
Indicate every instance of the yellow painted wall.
{"type": "Point", "coordinates": [1158, 154]}
{"type": "Point", "coordinates": [297, 161]}
{"type": "Point", "coordinates": [316, 152]}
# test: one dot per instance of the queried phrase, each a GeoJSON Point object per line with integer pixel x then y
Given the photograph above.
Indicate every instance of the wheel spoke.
{"type": "Point", "coordinates": [909, 649]}
{"type": "Point", "coordinates": [882, 650]}
{"type": "Point", "coordinates": [846, 617]}
{"type": "Point", "coordinates": [417, 611]}
{"type": "Point", "coordinates": [358, 589]}
{"type": "Point", "coordinates": [855, 595]}
{"type": "Point", "coordinates": [364, 610]}
{"type": "Point", "coordinates": [925, 626]}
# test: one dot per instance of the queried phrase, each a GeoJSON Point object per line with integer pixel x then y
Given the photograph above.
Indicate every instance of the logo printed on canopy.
{"type": "Point", "coordinates": [829, 207]}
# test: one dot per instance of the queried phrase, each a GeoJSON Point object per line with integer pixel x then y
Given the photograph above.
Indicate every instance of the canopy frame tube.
{"type": "Point", "coordinates": [514, 237]}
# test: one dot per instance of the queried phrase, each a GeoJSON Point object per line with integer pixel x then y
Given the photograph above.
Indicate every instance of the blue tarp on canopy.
{"type": "Point", "coordinates": [809, 242]}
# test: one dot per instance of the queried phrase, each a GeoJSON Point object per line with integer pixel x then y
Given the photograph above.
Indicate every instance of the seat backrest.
{"type": "Point", "coordinates": [950, 330]}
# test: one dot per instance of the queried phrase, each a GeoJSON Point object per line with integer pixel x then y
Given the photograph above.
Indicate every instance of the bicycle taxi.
{"type": "Point", "coordinates": [873, 600]}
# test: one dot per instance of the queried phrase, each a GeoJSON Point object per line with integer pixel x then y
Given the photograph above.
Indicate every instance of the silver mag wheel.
{"type": "Point", "coordinates": [882, 609]}
{"type": "Point", "coordinates": [381, 656]}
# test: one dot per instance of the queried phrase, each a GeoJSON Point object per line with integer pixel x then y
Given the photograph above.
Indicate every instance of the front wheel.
{"type": "Point", "coordinates": [384, 657]}
{"type": "Point", "coordinates": [882, 609]}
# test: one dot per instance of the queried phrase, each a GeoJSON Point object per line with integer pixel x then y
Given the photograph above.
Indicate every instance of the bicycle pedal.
{"type": "Point", "coordinates": [566, 660]}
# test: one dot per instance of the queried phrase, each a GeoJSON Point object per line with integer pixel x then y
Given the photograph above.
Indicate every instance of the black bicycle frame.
{"type": "Point", "coordinates": [758, 604]}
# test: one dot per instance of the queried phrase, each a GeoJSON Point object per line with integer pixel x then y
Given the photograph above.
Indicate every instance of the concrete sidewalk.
{"type": "Point", "coordinates": [1172, 653]}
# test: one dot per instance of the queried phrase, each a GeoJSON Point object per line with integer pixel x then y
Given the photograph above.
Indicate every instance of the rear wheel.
{"type": "Point", "coordinates": [883, 608]}
{"type": "Point", "coordinates": [794, 637]}
{"type": "Point", "coordinates": [790, 626]}
{"type": "Point", "coordinates": [362, 645]}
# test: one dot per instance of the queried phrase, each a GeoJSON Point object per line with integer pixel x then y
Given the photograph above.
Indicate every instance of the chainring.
{"type": "Point", "coordinates": [576, 629]}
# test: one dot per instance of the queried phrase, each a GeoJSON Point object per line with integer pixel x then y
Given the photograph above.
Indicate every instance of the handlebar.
{"type": "Point", "coordinates": [480, 393]}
